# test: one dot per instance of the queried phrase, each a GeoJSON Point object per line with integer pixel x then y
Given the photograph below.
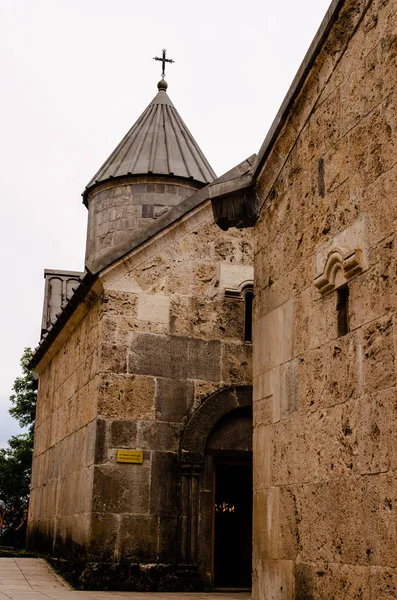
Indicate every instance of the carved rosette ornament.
{"type": "Point", "coordinates": [340, 266]}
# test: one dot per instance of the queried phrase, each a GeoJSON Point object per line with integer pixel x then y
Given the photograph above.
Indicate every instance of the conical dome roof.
{"type": "Point", "coordinates": [160, 144]}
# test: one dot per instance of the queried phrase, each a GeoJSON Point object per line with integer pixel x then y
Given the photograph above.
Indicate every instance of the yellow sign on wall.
{"type": "Point", "coordinates": [130, 456]}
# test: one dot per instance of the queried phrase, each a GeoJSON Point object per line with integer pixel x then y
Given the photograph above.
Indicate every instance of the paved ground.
{"type": "Point", "coordinates": [34, 579]}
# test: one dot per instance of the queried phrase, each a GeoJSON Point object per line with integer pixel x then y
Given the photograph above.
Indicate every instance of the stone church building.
{"type": "Point", "coordinates": [143, 439]}
{"type": "Point", "coordinates": [146, 357]}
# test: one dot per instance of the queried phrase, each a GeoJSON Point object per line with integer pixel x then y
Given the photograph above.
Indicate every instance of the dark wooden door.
{"type": "Point", "coordinates": [233, 524]}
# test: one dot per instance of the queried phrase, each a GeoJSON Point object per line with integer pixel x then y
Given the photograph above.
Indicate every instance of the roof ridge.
{"type": "Point", "coordinates": [178, 141]}
{"type": "Point", "coordinates": [134, 133]}
{"type": "Point", "coordinates": [194, 149]}
{"type": "Point", "coordinates": [157, 120]}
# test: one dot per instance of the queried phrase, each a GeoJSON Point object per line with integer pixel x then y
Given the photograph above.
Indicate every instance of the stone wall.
{"type": "Point", "coordinates": [169, 338]}
{"type": "Point", "coordinates": [117, 210]}
{"type": "Point", "coordinates": [165, 332]}
{"type": "Point", "coordinates": [64, 450]}
{"type": "Point", "coordinates": [324, 402]}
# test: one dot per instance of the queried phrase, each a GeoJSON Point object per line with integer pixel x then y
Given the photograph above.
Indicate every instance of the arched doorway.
{"type": "Point", "coordinates": [216, 508]}
{"type": "Point", "coordinates": [229, 447]}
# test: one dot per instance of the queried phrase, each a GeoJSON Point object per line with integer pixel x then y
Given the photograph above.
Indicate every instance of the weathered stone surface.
{"type": "Point", "coordinates": [65, 445]}
{"type": "Point", "coordinates": [158, 436]}
{"type": "Point", "coordinates": [168, 539]}
{"type": "Point", "coordinates": [113, 358]}
{"type": "Point", "coordinates": [207, 318]}
{"type": "Point", "coordinates": [154, 307]}
{"type": "Point", "coordinates": [382, 583]}
{"type": "Point", "coordinates": [162, 339]}
{"type": "Point", "coordinates": [123, 434]}
{"type": "Point", "coordinates": [237, 363]}
{"type": "Point", "coordinates": [265, 523]}
{"type": "Point", "coordinates": [127, 396]}
{"type": "Point", "coordinates": [100, 454]}
{"type": "Point", "coordinates": [273, 338]}
{"type": "Point", "coordinates": [233, 432]}
{"type": "Point", "coordinates": [164, 477]}
{"type": "Point", "coordinates": [116, 330]}
{"type": "Point", "coordinates": [203, 389]}
{"type": "Point", "coordinates": [330, 375]}
{"type": "Point", "coordinates": [324, 414]}
{"type": "Point", "coordinates": [273, 578]}
{"type": "Point", "coordinates": [119, 304]}
{"type": "Point", "coordinates": [121, 488]}
{"type": "Point", "coordinates": [173, 399]}
{"type": "Point", "coordinates": [125, 207]}
{"type": "Point", "coordinates": [211, 411]}
{"type": "Point", "coordinates": [345, 581]}
{"type": "Point", "coordinates": [104, 535]}
{"type": "Point", "coordinates": [175, 357]}
{"type": "Point", "coordinates": [231, 275]}
{"type": "Point", "coordinates": [378, 355]}
{"type": "Point", "coordinates": [139, 537]}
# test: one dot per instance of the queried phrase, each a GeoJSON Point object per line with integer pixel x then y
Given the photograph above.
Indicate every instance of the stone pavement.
{"type": "Point", "coordinates": [34, 579]}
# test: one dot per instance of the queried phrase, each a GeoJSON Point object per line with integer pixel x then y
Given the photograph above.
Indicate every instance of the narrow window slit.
{"type": "Point", "coordinates": [248, 301]}
{"type": "Point", "coordinates": [342, 308]}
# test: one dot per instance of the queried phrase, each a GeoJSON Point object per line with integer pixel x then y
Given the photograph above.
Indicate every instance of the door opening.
{"type": "Point", "coordinates": [232, 549]}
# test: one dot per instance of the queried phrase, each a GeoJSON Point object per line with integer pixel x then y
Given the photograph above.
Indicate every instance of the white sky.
{"type": "Point", "coordinates": [76, 74]}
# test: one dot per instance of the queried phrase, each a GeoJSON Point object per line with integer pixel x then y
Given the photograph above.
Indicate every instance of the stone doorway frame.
{"type": "Point", "coordinates": [192, 456]}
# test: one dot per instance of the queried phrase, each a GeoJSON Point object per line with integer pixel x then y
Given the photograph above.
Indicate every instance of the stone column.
{"type": "Point", "coordinates": [190, 475]}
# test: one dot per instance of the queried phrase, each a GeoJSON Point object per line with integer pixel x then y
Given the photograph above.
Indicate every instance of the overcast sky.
{"type": "Point", "coordinates": [76, 74]}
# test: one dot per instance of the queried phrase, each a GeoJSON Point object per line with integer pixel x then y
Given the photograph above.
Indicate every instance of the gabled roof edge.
{"type": "Point", "coordinates": [91, 275]}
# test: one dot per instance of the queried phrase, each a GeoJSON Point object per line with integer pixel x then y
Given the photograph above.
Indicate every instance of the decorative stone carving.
{"type": "Point", "coordinates": [59, 288]}
{"type": "Point", "coordinates": [238, 293]}
{"type": "Point", "coordinates": [189, 518]}
{"type": "Point", "coordinates": [340, 266]}
{"type": "Point", "coordinates": [197, 429]}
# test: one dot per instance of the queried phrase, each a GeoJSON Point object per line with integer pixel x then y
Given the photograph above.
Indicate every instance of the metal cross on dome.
{"type": "Point", "coordinates": [164, 60]}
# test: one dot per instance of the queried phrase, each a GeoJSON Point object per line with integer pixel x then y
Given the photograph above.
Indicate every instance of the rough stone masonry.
{"type": "Point", "coordinates": [325, 411]}
{"type": "Point", "coordinates": [150, 354]}
{"type": "Point", "coordinates": [145, 357]}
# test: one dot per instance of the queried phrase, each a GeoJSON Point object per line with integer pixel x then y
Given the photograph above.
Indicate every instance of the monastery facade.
{"type": "Point", "coordinates": [325, 413]}
{"type": "Point", "coordinates": [145, 378]}
{"type": "Point", "coordinates": [150, 357]}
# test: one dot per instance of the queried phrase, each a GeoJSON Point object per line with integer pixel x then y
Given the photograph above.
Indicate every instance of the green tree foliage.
{"type": "Point", "coordinates": [16, 459]}
{"type": "Point", "coordinates": [24, 398]}
{"type": "Point", "coordinates": [15, 470]}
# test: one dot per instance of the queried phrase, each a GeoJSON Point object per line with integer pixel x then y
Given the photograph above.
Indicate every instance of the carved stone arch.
{"type": "Point", "coordinates": [192, 461]}
{"type": "Point", "coordinates": [246, 286]}
{"type": "Point", "coordinates": [239, 292]}
{"type": "Point", "coordinates": [340, 265]}
{"type": "Point", "coordinates": [203, 420]}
